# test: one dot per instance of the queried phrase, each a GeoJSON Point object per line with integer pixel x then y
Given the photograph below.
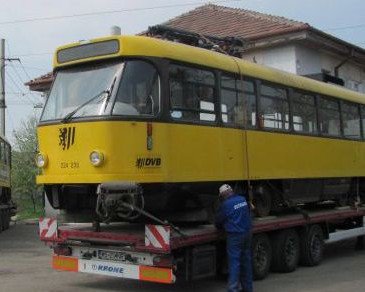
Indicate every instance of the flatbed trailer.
{"type": "Point", "coordinates": [161, 254]}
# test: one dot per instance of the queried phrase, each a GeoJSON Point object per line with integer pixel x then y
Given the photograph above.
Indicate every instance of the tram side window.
{"type": "Point", "coordinates": [304, 113]}
{"type": "Point", "coordinates": [139, 90]}
{"type": "Point", "coordinates": [192, 94]}
{"type": "Point", "coordinates": [231, 101]}
{"type": "Point", "coordinates": [351, 120]}
{"type": "Point", "coordinates": [274, 108]}
{"type": "Point", "coordinates": [329, 117]}
{"type": "Point", "coordinates": [238, 101]}
{"type": "Point", "coordinates": [250, 103]}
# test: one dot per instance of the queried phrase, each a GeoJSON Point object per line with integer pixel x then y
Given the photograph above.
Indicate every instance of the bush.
{"type": "Point", "coordinates": [27, 195]}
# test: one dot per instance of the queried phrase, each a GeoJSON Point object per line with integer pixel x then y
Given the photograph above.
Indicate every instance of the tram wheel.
{"type": "Point", "coordinates": [261, 256]}
{"type": "Point", "coordinates": [286, 251]}
{"type": "Point", "coordinates": [311, 246]}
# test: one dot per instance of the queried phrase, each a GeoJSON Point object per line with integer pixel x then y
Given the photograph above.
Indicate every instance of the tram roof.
{"type": "Point", "coordinates": [138, 46]}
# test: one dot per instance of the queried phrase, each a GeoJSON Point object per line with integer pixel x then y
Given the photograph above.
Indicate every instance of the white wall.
{"type": "Point", "coordinates": [308, 61]}
{"type": "Point", "coordinates": [282, 58]}
{"type": "Point", "coordinates": [301, 60]}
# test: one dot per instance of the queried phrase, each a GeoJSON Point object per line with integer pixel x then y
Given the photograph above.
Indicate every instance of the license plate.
{"type": "Point", "coordinates": [111, 255]}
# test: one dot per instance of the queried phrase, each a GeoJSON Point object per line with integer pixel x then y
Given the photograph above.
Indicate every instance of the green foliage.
{"type": "Point", "coordinates": [26, 193]}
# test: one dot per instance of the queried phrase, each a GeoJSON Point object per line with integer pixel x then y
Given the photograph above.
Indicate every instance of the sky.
{"type": "Point", "coordinates": [34, 28]}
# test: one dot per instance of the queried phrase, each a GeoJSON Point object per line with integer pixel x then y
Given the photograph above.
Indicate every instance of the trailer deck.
{"type": "Point", "coordinates": [127, 234]}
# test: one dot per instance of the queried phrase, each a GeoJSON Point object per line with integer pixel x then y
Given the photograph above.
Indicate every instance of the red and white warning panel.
{"type": "Point", "coordinates": [157, 236]}
{"type": "Point", "coordinates": [48, 228]}
{"type": "Point", "coordinates": [121, 270]}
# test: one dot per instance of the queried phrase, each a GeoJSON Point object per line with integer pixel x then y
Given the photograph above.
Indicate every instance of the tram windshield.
{"type": "Point", "coordinates": [92, 91]}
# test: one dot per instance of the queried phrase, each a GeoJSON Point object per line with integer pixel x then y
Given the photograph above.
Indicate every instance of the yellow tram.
{"type": "Point", "coordinates": [160, 125]}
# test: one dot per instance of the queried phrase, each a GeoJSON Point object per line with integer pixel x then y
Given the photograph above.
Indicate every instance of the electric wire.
{"type": "Point", "coordinates": [110, 12]}
{"type": "Point", "coordinates": [345, 27]}
{"type": "Point", "coordinates": [32, 68]}
{"type": "Point", "coordinates": [8, 75]}
{"type": "Point", "coordinates": [33, 54]}
{"type": "Point", "coordinates": [19, 77]}
{"type": "Point", "coordinates": [38, 98]}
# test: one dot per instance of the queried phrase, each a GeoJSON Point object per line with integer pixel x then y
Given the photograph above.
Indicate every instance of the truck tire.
{"type": "Point", "coordinates": [261, 256]}
{"type": "Point", "coordinates": [286, 251]}
{"type": "Point", "coordinates": [311, 246]}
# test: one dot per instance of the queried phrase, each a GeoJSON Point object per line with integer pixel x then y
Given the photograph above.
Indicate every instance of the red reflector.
{"type": "Point", "coordinates": [149, 129]}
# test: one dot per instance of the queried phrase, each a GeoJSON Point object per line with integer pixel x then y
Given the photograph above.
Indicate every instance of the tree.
{"type": "Point", "coordinates": [24, 170]}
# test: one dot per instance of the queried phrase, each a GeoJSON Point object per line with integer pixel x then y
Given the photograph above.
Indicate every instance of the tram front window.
{"type": "Point", "coordinates": [139, 90]}
{"type": "Point", "coordinates": [76, 86]}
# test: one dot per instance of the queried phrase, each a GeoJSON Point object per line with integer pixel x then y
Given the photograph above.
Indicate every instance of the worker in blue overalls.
{"type": "Point", "coordinates": [234, 217]}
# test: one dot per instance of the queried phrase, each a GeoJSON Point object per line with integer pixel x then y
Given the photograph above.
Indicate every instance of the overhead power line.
{"type": "Point", "coordinates": [109, 12]}
{"type": "Point", "coordinates": [33, 68]}
{"type": "Point", "coordinates": [8, 75]}
{"type": "Point", "coordinates": [345, 27]}
{"type": "Point", "coordinates": [34, 54]}
{"type": "Point", "coordinates": [22, 80]}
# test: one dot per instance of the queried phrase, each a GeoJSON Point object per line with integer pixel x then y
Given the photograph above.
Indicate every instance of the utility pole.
{"type": "Point", "coordinates": [2, 87]}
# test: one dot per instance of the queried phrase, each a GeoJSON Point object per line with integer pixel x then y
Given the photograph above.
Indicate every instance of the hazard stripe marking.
{"type": "Point", "coordinates": [157, 236]}
{"type": "Point", "coordinates": [47, 228]}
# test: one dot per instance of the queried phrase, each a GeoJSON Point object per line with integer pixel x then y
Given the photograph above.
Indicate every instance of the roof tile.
{"type": "Point", "coordinates": [223, 21]}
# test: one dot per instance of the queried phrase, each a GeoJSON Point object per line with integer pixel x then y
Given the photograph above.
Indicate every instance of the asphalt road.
{"type": "Point", "coordinates": [25, 266]}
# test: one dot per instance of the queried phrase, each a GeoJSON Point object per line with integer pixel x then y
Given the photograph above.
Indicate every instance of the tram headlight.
{"type": "Point", "coordinates": [41, 160]}
{"type": "Point", "coordinates": [96, 158]}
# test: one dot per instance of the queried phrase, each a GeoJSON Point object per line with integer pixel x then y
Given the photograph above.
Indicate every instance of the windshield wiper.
{"type": "Point", "coordinates": [108, 93]}
{"type": "Point", "coordinates": [70, 115]}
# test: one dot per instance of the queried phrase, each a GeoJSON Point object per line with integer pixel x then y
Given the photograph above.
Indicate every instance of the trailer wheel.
{"type": "Point", "coordinates": [285, 251]}
{"type": "Point", "coordinates": [311, 246]}
{"type": "Point", "coordinates": [261, 256]}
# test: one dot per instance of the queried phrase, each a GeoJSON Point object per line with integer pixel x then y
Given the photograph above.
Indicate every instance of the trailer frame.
{"type": "Point", "coordinates": [122, 250]}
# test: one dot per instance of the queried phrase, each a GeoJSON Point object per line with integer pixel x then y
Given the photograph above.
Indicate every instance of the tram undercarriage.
{"type": "Point", "coordinates": [195, 202]}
